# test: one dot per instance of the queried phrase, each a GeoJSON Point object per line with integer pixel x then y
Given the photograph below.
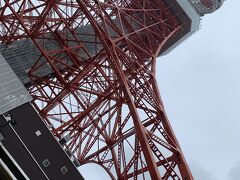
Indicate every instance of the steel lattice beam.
{"type": "Point", "coordinates": [104, 98]}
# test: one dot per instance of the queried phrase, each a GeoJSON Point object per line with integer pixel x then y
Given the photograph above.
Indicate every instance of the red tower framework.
{"type": "Point", "coordinates": [100, 97]}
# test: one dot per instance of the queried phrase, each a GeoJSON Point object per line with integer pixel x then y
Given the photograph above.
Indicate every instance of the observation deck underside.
{"type": "Point", "coordinates": [22, 54]}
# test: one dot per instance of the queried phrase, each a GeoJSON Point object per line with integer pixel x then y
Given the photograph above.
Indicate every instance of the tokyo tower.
{"type": "Point", "coordinates": [90, 68]}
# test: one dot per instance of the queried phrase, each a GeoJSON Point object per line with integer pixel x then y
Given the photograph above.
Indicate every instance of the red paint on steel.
{"type": "Point", "coordinates": [105, 97]}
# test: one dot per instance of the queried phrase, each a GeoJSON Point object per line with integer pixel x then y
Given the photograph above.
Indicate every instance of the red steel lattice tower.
{"type": "Point", "coordinates": [93, 78]}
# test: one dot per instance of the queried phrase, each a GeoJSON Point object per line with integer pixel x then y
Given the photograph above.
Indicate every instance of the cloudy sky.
{"type": "Point", "coordinates": [200, 85]}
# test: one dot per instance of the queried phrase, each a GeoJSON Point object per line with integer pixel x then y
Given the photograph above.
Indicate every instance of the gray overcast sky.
{"type": "Point", "coordinates": [200, 86]}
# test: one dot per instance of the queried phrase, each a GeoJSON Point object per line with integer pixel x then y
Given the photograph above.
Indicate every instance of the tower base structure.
{"type": "Point", "coordinates": [90, 67]}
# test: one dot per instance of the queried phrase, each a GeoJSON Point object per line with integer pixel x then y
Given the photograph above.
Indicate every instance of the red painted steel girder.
{"type": "Point", "coordinates": [104, 101]}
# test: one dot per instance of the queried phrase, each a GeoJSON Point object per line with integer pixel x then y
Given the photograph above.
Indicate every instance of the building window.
{"type": "Point", "coordinates": [46, 163]}
{"type": "Point", "coordinates": [38, 133]}
{"type": "Point", "coordinates": [64, 169]}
